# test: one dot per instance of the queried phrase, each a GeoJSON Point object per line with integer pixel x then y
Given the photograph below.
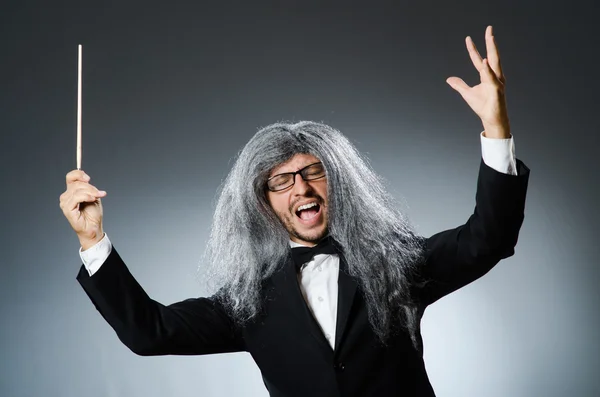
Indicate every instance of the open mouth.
{"type": "Point", "coordinates": [308, 212]}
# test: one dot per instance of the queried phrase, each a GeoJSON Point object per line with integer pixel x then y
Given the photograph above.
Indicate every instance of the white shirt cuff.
{"type": "Point", "coordinates": [499, 154]}
{"type": "Point", "coordinates": [95, 256]}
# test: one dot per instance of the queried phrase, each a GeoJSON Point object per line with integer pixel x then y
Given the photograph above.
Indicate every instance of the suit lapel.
{"type": "Point", "coordinates": [346, 291]}
{"type": "Point", "coordinates": [286, 282]}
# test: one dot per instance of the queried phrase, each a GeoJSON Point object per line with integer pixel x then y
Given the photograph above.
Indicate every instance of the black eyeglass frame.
{"type": "Point", "coordinates": [293, 175]}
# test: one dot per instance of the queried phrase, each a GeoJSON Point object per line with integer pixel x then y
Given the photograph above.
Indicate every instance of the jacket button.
{"type": "Point", "coordinates": [339, 366]}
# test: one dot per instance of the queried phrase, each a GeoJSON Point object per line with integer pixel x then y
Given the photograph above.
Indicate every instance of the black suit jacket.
{"type": "Point", "coordinates": [285, 340]}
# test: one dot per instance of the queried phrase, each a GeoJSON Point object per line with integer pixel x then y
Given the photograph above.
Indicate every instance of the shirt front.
{"type": "Point", "coordinates": [318, 280]}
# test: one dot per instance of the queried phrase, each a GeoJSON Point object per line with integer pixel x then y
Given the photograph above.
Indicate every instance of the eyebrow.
{"type": "Point", "coordinates": [272, 174]}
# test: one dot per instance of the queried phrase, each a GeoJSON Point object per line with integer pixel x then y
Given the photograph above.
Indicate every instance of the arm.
{"type": "Point", "coordinates": [456, 257]}
{"type": "Point", "coordinates": [193, 326]}
{"type": "Point", "coordinates": [459, 256]}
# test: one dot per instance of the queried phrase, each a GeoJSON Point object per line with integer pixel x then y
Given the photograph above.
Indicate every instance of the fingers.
{"type": "Point", "coordinates": [78, 191]}
{"type": "Point", "coordinates": [491, 71]}
{"type": "Point", "coordinates": [493, 55]}
{"type": "Point", "coordinates": [474, 54]}
{"type": "Point", "coordinates": [458, 84]}
{"type": "Point", "coordinates": [77, 179]}
{"type": "Point", "coordinates": [488, 75]}
{"type": "Point", "coordinates": [81, 196]}
{"type": "Point", "coordinates": [77, 175]}
{"type": "Point", "coordinates": [70, 200]}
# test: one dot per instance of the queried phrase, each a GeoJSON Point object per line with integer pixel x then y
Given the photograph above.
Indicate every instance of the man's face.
{"type": "Point", "coordinates": [305, 226]}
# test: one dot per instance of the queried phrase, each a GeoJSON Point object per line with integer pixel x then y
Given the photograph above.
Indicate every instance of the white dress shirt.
{"type": "Point", "coordinates": [318, 278]}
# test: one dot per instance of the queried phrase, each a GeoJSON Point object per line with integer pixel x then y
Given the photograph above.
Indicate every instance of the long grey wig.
{"type": "Point", "coordinates": [248, 242]}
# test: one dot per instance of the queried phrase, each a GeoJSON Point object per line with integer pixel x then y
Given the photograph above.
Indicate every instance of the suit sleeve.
{"type": "Point", "coordinates": [148, 328]}
{"type": "Point", "coordinates": [456, 257]}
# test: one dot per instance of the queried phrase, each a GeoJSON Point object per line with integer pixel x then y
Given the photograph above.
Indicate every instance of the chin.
{"type": "Point", "coordinates": [311, 236]}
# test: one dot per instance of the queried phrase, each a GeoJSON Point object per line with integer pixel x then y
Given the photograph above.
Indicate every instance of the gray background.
{"type": "Point", "coordinates": [173, 92]}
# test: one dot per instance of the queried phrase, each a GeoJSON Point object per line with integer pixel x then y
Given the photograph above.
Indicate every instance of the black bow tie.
{"type": "Point", "coordinates": [301, 255]}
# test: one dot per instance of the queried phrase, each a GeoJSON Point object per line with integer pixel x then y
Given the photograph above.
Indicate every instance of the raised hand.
{"type": "Point", "coordinates": [487, 98]}
{"type": "Point", "coordinates": [81, 206]}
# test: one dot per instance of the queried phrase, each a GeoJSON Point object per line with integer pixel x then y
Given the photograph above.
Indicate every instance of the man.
{"type": "Point", "coordinates": [338, 319]}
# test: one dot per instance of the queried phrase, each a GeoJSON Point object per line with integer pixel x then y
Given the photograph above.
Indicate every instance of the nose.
{"type": "Point", "coordinates": [300, 185]}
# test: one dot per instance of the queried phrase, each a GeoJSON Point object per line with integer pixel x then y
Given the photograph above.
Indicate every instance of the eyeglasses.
{"type": "Point", "coordinates": [287, 179]}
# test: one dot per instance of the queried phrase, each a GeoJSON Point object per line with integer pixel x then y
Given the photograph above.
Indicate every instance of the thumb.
{"type": "Point", "coordinates": [458, 84]}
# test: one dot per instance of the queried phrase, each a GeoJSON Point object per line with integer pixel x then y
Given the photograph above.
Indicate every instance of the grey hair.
{"type": "Point", "coordinates": [248, 242]}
